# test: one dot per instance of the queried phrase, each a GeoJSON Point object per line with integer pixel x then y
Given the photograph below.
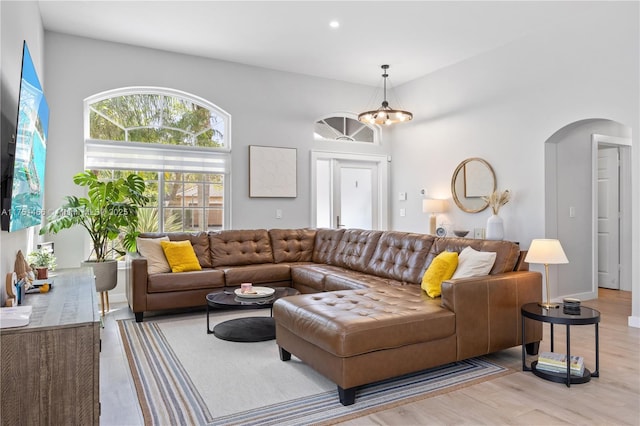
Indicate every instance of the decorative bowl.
{"type": "Point", "coordinates": [460, 233]}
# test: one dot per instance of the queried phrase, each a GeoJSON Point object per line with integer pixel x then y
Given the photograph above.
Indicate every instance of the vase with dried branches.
{"type": "Point", "coordinates": [495, 224]}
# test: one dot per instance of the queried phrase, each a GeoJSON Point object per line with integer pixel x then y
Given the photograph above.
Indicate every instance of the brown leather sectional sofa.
{"type": "Point", "coordinates": [362, 316]}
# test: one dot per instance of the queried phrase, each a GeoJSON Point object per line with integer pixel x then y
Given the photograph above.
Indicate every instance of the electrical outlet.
{"type": "Point", "coordinates": [278, 213]}
{"type": "Point", "coordinates": [403, 212]}
{"type": "Point", "coordinates": [478, 233]}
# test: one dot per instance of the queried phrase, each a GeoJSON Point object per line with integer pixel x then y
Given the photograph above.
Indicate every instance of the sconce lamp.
{"type": "Point", "coordinates": [547, 252]}
{"type": "Point", "coordinates": [433, 206]}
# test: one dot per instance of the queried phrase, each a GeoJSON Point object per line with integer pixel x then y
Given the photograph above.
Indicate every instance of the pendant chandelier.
{"type": "Point", "coordinates": [385, 114]}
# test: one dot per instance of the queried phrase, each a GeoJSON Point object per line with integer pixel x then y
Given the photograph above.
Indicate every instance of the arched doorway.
{"type": "Point", "coordinates": [572, 207]}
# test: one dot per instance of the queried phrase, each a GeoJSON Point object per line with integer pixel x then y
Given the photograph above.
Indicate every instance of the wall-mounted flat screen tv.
{"type": "Point", "coordinates": [23, 188]}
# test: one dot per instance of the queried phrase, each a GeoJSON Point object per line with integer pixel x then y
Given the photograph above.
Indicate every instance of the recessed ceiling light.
{"type": "Point", "coordinates": [334, 24]}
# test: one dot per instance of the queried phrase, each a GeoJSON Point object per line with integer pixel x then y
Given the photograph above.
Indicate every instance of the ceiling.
{"type": "Point", "coordinates": [414, 37]}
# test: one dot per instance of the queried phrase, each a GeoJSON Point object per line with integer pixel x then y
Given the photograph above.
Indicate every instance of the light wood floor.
{"type": "Point", "coordinates": [518, 398]}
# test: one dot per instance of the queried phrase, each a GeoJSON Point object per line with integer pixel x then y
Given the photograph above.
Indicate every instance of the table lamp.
{"type": "Point", "coordinates": [547, 252]}
{"type": "Point", "coordinates": [433, 206]}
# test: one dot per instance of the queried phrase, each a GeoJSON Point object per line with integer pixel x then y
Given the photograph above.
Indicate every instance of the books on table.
{"type": "Point", "coordinates": [557, 363]}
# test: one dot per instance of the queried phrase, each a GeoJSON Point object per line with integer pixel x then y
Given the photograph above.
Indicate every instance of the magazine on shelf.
{"type": "Point", "coordinates": [561, 370]}
{"type": "Point", "coordinates": [552, 361]}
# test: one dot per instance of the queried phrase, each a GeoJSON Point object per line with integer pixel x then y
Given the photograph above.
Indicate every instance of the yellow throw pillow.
{"type": "Point", "coordinates": [441, 269]}
{"type": "Point", "coordinates": [180, 256]}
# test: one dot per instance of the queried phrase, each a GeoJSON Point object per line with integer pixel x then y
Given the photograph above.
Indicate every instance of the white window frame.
{"type": "Point", "coordinates": [377, 131]}
{"type": "Point", "coordinates": [125, 155]}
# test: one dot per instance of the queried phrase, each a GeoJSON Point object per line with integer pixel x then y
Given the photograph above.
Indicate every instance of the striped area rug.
{"type": "Point", "coordinates": [168, 394]}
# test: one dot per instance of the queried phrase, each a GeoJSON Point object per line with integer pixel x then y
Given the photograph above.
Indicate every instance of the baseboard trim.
{"type": "Point", "coordinates": [634, 322]}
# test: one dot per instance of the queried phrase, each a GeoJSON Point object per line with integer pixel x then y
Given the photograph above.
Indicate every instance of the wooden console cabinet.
{"type": "Point", "coordinates": [51, 367]}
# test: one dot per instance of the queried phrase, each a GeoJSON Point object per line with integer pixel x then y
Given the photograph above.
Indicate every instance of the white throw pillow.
{"type": "Point", "coordinates": [473, 263]}
{"type": "Point", "coordinates": [151, 249]}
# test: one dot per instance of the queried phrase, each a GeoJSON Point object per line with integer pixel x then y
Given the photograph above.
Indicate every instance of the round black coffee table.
{"type": "Point", "coordinates": [248, 329]}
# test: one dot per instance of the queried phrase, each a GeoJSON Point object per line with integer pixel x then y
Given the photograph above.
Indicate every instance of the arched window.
{"type": "Point", "coordinates": [179, 143]}
{"type": "Point", "coordinates": [345, 127]}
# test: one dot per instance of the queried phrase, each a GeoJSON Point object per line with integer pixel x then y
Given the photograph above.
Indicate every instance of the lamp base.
{"type": "Point", "coordinates": [549, 305]}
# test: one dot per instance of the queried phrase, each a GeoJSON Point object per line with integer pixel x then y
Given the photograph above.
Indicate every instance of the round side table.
{"type": "Point", "coordinates": [584, 316]}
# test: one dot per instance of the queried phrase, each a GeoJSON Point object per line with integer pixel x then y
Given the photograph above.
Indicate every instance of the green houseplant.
{"type": "Point", "coordinates": [109, 211]}
{"type": "Point", "coordinates": [42, 260]}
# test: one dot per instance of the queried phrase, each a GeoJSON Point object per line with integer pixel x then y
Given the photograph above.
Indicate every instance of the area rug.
{"type": "Point", "coordinates": [184, 376]}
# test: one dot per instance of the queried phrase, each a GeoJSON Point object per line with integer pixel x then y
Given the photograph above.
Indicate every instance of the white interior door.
{"type": "Point", "coordinates": [354, 195]}
{"type": "Point", "coordinates": [349, 190]}
{"type": "Point", "coordinates": [608, 218]}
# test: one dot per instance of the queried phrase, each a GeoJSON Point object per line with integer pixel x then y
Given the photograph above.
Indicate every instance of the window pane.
{"type": "Point", "coordinates": [151, 191]}
{"type": "Point", "coordinates": [341, 128]}
{"type": "Point", "coordinates": [214, 218]}
{"type": "Point", "coordinates": [364, 135]}
{"type": "Point", "coordinates": [192, 220]}
{"type": "Point", "coordinates": [148, 219]}
{"type": "Point", "coordinates": [173, 194]}
{"type": "Point", "coordinates": [101, 128]}
{"type": "Point", "coordinates": [193, 195]}
{"type": "Point", "coordinates": [171, 218]}
{"type": "Point", "coordinates": [324, 131]}
{"type": "Point", "coordinates": [162, 119]}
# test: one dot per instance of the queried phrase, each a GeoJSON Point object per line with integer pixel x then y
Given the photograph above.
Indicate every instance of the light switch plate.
{"type": "Point", "coordinates": [402, 196]}
{"type": "Point", "coordinates": [478, 233]}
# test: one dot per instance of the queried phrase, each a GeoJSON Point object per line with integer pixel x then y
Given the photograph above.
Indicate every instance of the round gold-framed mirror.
{"type": "Point", "coordinates": [473, 179]}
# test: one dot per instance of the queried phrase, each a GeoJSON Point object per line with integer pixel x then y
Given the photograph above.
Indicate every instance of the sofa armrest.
{"type": "Point", "coordinates": [136, 289]}
{"type": "Point", "coordinates": [488, 311]}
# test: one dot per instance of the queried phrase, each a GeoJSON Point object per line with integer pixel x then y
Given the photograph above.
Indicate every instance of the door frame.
{"type": "Point", "coordinates": [624, 149]}
{"type": "Point", "coordinates": [382, 190]}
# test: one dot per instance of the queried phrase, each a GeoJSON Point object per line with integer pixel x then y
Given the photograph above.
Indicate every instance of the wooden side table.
{"type": "Point", "coordinates": [559, 316]}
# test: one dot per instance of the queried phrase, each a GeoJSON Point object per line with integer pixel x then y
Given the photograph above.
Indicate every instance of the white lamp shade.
{"type": "Point", "coordinates": [546, 251]}
{"type": "Point", "coordinates": [431, 205]}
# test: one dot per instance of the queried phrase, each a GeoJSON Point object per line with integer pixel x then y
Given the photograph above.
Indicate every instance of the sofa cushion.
{"type": "Point", "coordinates": [401, 256]}
{"type": "Point", "coordinates": [195, 280]}
{"type": "Point", "coordinates": [325, 245]}
{"type": "Point", "coordinates": [312, 276]}
{"type": "Point", "coordinates": [355, 249]}
{"type": "Point", "coordinates": [350, 280]}
{"type": "Point", "coordinates": [441, 269]}
{"type": "Point", "coordinates": [292, 245]}
{"type": "Point", "coordinates": [353, 322]}
{"type": "Point", "coordinates": [151, 249]}
{"type": "Point", "coordinates": [240, 247]}
{"type": "Point", "coordinates": [473, 263]}
{"type": "Point", "coordinates": [180, 256]}
{"type": "Point", "coordinates": [257, 274]}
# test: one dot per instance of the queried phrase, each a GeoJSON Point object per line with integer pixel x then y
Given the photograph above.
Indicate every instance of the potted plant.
{"type": "Point", "coordinates": [43, 261]}
{"type": "Point", "coordinates": [109, 211]}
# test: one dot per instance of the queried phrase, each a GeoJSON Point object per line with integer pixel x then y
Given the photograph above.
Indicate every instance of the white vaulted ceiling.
{"type": "Point", "coordinates": [414, 37]}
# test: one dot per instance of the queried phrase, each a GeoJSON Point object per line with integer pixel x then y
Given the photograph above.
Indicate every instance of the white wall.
{"type": "Point", "coordinates": [503, 106]}
{"type": "Point", "coordinates": [267, 107]}
{"type": "Point", "coordinates": [19, 21]}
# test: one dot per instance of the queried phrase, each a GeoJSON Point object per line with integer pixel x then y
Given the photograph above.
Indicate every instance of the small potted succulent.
{"type": "Point", "coordinates": [43, 261]}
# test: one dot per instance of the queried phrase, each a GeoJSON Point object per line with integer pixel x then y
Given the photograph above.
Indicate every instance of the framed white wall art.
{"type": "Point", "coordinates": [272, 172]}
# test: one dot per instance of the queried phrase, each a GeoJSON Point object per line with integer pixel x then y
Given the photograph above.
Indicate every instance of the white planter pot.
{"type": "Point", "coordinates": [106, 274]}
{"type": "Point", "coordinates": [495, 228]}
